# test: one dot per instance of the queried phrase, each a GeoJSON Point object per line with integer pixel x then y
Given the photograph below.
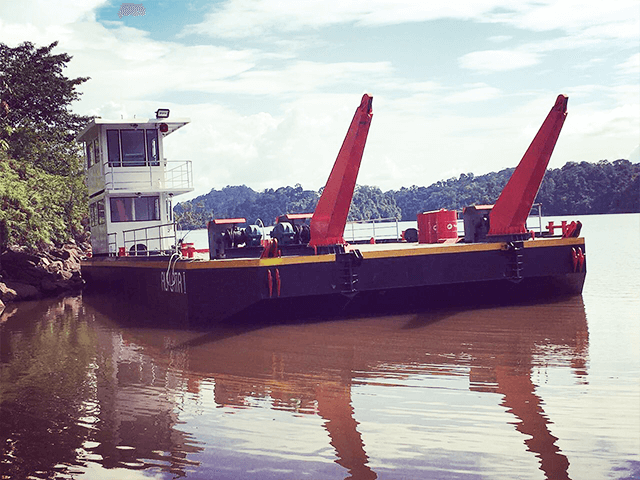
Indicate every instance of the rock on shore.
{"type": "Point", "coordinates": [28, 276]}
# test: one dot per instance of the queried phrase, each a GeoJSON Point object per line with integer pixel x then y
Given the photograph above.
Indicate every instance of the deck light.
{"type": "Point", "coordinates": [162, 113]}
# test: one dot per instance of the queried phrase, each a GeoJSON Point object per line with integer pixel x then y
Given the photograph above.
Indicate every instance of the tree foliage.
{"type": "Point", "coordinates": [586, 188]}
{"type": "Point", "coordinates": [242, 201]}
{"type": "Point", "coordinates": [576, 188]}
{"type": "Point", "coordinates": [371, 203]}
{"type": "Point", "coordinates": [36, 207]}
{"type": "Point", "coordinates": [42, 195]}
{"type": "Point", "coordinates": [36, 120]}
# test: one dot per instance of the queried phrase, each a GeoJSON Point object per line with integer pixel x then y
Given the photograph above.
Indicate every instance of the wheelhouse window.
{"type": "Point", "coordinates": [101, 216]}
{"type": "Point", "coordinates": [132, 142]}
{"type": "Point", "coordinates": [134, 209]}
{"type": "Point", "coordinates": [169, 210]}
{"type": "Point", "coordinates": [152, 147]}
{"type": "Point", "coordinates": [89, 154]}
{"type": "Point", "coordinates": [96, 213]}
{"type": "Point", "coordinates": [92, 152]}
{"type": "Point", "coordinates": [133, 148]}
{"type": "Point", "coordinates": [113, 148]}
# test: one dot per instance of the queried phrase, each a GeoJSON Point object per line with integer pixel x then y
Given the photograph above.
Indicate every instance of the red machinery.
{"type": "Point", "coordinates": [438, 226]}
{"type": "Point", "coordinates": [330, 216]}
{"type": "Point", "coordinates": [509, 214]}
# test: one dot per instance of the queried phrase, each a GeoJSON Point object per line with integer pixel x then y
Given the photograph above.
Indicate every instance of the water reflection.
{"type": "Point", "coordinates": [72, 392]}
{"type": "Point", "coordinates": [138, 397]}
{"type": "Point", "coordinates": [137, 423]}
{"type": "Point", "coordinates": [45, 387]}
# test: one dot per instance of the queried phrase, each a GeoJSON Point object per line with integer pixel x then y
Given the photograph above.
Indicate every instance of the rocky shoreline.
{"type": "Point", "coordinates": [29, 276]}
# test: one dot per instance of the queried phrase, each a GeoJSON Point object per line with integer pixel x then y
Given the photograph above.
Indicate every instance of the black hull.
{"type": "Point", "coordinates": [382, 279]}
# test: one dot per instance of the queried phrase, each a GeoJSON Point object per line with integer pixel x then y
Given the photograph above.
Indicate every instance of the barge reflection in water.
{"type": "Point", "coordinates": [421, 395]}
{"type": "Point", "coordinates": [528, 392]}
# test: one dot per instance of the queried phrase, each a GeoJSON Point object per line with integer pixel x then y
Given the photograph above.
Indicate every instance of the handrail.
{"type": "Point", "coordinates": [178, 176]}
{"type": "Point", "coordinates": [112, 243]}
{"type": "Point", "coordinates": [147, 243]}
{"type": "Point", "coordinates": [363, 234]}
{"type": "Point", "coordinates": [539, 215]}
{"type": "Point", "coordinates": [392, 221]}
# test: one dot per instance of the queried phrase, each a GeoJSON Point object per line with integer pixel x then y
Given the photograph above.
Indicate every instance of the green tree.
{"type": "Point", "coordinates": [36, 121]}
{"type": "Point", "coordinates": [370, 203]}
{"type": "Point", "coordinates": [42, 194]}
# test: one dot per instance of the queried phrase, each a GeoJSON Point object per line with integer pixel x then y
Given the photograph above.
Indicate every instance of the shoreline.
{"type": "Point", "coordinates": [47, 273]}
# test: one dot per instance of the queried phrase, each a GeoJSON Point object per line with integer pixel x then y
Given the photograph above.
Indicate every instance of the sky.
{"type": "Point", "coordinates": [271, 86]}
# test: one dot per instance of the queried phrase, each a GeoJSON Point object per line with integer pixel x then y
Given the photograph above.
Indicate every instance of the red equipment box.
{"type": "Point", "coordinates": [437, 226]}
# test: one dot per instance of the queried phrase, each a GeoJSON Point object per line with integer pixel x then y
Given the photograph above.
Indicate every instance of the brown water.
{"type": "Point", "coordinates": [527, 392]}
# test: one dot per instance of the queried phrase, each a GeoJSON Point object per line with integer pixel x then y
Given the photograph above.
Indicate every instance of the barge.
{"type": "Point", "coordinates": [306, 268]}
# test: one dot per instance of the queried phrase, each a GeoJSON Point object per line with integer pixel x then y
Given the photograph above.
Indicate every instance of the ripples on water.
{"type": "Point", "coordinates": [527, 392]}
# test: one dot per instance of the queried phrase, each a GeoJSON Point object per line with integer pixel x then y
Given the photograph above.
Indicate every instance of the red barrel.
{"type": "Point", "coordinates": [437, 226]}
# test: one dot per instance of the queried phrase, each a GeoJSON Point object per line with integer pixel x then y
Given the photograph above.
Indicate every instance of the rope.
{"type": "Point", "coordinates": [171, 280]}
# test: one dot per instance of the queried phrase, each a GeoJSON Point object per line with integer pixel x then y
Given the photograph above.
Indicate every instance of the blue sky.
{"type": "Point", "coordinates": [271, 85]}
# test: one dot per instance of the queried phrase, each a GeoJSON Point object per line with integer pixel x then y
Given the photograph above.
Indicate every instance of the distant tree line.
{"type": "Point", "coordinates": [576, 188]}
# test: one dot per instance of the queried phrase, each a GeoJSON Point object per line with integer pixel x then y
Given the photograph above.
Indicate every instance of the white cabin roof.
{"type": "Point", "coordinates": [89, 131]}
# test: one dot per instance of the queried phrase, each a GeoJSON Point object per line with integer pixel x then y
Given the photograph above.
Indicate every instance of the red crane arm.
{"type": "Point", "coordinates": [510, 212]}
{"type": "Point", "coordinates": [330, 215]}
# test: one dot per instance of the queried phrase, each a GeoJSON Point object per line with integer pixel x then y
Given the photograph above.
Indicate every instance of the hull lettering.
{"type": "Point", "coordinates": [174, 282]}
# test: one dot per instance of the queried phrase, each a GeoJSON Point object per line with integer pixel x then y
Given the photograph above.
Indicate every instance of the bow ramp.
{"type": "Point", "coordinates": [330, 216]}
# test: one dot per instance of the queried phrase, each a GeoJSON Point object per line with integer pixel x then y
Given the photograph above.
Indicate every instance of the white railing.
{"type": "Point", "coordinates": [537, 208]}
{"type": "Point", "coordinates": [390, 229]}
{"type": "Point", "coordinates": [180, 175]}
{"type": "Point", "coordinates": [149, 241]}
{"type": "Point", "coordinates": [378, 228]}
{"type": "Point", "coordinates": [170, 175]}
{"type": "Point", "coordinates": [112, 243]}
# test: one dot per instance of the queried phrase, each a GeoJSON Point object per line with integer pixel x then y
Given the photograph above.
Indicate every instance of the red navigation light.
{"type": "Point", "coordinates": [164, 128]}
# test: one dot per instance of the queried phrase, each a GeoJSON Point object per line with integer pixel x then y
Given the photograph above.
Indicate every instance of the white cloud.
{"type": "Point", "coordinates": [424, 128]}
{"type": "Point", "coordinates": [584, 20]}
{"type": "Point", "coordinates": [126, 65]}
{"type": "Point", "coordinates": [498, 60]}
{"type": "Point", "coordinates": [500, 38]}
{"type": "Point", "coordinates": [46, 13]}
{"type": "Point", "coordinates": [610, 19]}
{"type": "Point", "coordinates": [300, 76]}
{"type": "Point", "coordinates": [245, 18]}
{"type": "Point", "coordinates": [630, 66]}
{"type": "Point", "coordinates": [478, 92]}
{"type": "Point", "coordinates": [263, 150]}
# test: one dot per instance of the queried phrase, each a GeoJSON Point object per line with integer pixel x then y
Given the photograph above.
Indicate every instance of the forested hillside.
{"type": "Point", "coordinates": [576, 188]}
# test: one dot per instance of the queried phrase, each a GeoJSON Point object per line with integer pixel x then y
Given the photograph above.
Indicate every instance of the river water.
{"type": "Point", "coordinates": [528, 392]}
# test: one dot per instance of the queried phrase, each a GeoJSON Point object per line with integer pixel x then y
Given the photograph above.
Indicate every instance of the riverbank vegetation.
{"type": "Point", "coordinates": [575, 189]}
{"type": "Point", "coordinates": [43, 199]}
